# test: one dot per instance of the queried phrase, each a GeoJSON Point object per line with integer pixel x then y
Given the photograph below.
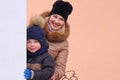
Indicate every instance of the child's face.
{"type": "Point", "coordinates": [56, 21]}
{"type": "Point", "coordinates": [33, 45]}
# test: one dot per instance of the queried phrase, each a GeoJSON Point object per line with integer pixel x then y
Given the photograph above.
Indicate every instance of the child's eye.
{"type": "Point", "coordinates": [36, 41]}
{"type": "Point", "coordinates": [28, 41]}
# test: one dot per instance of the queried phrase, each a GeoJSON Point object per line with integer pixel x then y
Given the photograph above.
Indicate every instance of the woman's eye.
{"type": "Point", "coordinates": [55, 16]}
{"type": "Point", "coordinates": [61, 19]}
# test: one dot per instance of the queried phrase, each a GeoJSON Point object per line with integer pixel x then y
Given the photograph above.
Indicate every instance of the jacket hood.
{"type": "Point", "coordinates": [35, 32]}
{"type": "Point", "coordinates": [42, 21]}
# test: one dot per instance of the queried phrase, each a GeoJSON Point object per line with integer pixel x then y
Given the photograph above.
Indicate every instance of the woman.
{"type": "Point", "coordinates": [57, 31]}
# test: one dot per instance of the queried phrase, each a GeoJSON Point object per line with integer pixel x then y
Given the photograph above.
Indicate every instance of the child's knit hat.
{"type": "Point", "coordinates": [35, 32]}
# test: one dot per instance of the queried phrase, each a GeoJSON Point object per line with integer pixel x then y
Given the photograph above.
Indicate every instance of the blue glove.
{"type": "Point", "coordinates": [27, 73]}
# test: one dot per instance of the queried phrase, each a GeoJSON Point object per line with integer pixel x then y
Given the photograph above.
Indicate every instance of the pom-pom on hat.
{"type": "Point", "coordinates": [62, 8]}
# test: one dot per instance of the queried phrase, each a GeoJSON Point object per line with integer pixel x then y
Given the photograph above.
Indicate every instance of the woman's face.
{"type": "Point", "coordinates": [56, 22]}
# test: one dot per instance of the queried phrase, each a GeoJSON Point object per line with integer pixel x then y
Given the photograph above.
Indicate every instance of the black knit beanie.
{"type": "Point", "coordinates": [62, 8]}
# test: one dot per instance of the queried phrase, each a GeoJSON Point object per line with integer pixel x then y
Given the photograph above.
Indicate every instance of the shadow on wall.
{"type": "Point", "coordinates": [70, 75]}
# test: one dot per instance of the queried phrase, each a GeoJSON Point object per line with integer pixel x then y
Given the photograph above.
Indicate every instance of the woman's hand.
{"type": "Point", "coordinates": [53, 77]}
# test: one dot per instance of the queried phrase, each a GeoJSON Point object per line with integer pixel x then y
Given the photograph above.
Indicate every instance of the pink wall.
{"type": "Point", "coordinates": [95, 37]}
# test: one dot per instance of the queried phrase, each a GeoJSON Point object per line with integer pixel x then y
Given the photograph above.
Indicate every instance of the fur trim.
{"type": "Point", "coordinates": [42, 21]}
{"type": "Point", "coordinates": [56, 36]}
{"type": "Point", "coordinates": [37, 20]}
{"type": "Point", "coordinates": [45, 14]}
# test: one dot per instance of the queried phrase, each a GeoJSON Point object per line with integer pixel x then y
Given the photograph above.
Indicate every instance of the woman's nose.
{"type": "Point", "coordinates": [57, 21]}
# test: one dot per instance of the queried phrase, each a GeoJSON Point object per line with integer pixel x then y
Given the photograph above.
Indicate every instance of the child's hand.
{"type": "Point", "coordinates": [53, 77]}
{"type": "Point", "coordinates": [27, 73]}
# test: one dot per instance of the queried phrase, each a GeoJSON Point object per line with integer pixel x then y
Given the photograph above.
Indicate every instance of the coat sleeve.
{"type": "Point", "coordinates": [60, 62]}
{"type": "Point", "coordinates": [47, 70]}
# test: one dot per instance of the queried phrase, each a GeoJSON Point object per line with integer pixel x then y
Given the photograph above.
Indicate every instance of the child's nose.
{"type": "Point", "coordinates": [32, 44]}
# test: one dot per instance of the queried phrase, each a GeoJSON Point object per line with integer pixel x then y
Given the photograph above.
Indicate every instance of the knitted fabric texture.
{"type": "Point", "coordinates": [62, 8]}
{"type": "Point", "coordinates": [35, 32]}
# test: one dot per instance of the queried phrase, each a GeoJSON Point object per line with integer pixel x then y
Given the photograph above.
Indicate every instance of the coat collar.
{"type": "Point", "coordinates": [41, 21]}
{"type": "Point", "coordinates": [56, 36]}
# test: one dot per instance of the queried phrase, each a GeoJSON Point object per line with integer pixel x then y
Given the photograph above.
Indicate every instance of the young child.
{"type": "Point", "coordinates": [40, 64]}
